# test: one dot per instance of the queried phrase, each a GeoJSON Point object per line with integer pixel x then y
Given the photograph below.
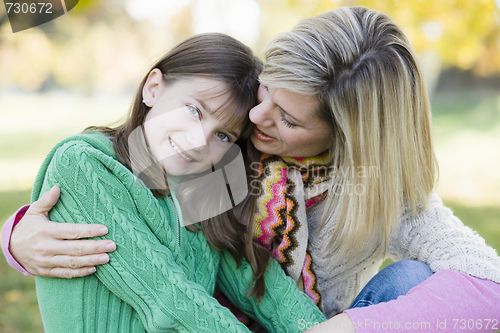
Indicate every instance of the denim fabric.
{"type": "Point", "coordinates": [393, 281]}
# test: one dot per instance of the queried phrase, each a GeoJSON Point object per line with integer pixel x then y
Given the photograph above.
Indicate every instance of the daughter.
{"type": "Point", "coordinates": [190, 108]}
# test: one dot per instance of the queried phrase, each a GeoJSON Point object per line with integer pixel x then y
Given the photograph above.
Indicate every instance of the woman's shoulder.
{"type": "Point", "coordinates": [434, 203]}
{"type": "Point", "coordinates": [435, 216]}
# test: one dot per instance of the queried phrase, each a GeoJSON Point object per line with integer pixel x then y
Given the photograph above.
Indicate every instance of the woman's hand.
{"type": "Point", "coordinates": [54, 249]}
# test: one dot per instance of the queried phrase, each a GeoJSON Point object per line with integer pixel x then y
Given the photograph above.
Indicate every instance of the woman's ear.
{"type": "Point", "coordinates": [152, 87]}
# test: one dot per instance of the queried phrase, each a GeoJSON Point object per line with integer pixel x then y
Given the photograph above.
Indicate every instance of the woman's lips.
{"type": "Point", "coordinates": [261, 136]}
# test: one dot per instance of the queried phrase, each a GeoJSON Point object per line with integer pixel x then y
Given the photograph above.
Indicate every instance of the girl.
{"type": "Point", "coordinates": [190, 108]}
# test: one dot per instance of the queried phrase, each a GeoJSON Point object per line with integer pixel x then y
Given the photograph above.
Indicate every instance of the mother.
{"type": "Point", "coordinates": [346, 179]}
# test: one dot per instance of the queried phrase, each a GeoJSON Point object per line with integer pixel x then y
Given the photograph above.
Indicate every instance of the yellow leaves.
{"type": "Point", "coordinates": [13, 296]}
{"type": "Point", "coordinates": [99, 46]}
{"type": "Point", "coordinates": [459, 30]}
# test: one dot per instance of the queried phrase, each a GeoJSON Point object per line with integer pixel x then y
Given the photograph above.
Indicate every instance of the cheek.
{"type": "Point", "coordinates": [153, 132]}
{"type": "Point", "coordinates": [304, 142]}
{"type": "Point", "coordinates": [292, 137]}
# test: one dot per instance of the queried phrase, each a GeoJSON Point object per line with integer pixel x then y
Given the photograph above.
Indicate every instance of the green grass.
{"type": "Point", "coordinates": [484, 220]}
{"type": "Point", "coordinates": [467, 111]}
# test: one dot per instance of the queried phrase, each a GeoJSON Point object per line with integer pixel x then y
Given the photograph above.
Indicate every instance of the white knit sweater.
{"type": "Point", "coordinates": [435, 237]}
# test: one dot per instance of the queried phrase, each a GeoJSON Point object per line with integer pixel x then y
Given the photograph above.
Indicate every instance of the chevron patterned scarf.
{"type": "Point", "coordinates": [289, 186]}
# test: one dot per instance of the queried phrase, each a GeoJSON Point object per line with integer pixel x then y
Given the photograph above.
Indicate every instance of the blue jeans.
{"type": "Point", "coordinates": [393, 281]}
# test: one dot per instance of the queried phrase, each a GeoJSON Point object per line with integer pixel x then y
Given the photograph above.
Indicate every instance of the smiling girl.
{"type": "Point", "coordinates": [190, 108]}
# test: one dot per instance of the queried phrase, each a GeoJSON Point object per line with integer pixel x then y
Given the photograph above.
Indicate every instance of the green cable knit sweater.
{"type": "Point", "coordinates": [161, 277]}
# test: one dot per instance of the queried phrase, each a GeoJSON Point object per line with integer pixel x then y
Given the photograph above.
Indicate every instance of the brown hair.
{"type": "Point", "coordinates": [223, 58]}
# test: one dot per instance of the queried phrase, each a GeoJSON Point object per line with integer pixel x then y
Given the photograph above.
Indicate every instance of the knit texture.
{"type": "Point", "coordinates": [161, 277]}
{"type": "Point", "coordinates": [435, 237]}
{"type": "Point", "coordinates": [288, 187]}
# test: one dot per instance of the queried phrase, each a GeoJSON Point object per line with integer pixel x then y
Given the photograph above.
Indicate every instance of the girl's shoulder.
{"type": "Point", "coordinates": [92, 143]}
{"type": "Point", "coordinates": [85, 165]}
{"type": "Point", "coordinates": [81, 154]}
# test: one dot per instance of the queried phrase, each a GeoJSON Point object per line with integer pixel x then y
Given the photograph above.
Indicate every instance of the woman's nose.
{"type": "Point", "coordinates": [261, 114]}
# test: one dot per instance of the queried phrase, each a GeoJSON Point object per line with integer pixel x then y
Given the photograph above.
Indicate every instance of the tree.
{"type": "Point", "coordinates": [462, 33]}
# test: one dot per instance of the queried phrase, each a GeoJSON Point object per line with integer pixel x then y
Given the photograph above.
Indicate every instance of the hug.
{"type": "Point", "coordinates": [340, 91]}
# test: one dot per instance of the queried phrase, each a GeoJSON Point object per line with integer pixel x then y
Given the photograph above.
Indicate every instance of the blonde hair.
{"type": "Point", "coordinates": [362, 68]}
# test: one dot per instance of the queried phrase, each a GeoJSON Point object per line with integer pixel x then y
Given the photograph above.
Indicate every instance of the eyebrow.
{"type": "Point", "coordinates": [204, 106]}
{"type": "Point", "coordinates": [234, 134]}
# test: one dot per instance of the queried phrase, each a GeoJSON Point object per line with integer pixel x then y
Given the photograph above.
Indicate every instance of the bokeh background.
{"type": "Point", "coordinates": [82, 69]}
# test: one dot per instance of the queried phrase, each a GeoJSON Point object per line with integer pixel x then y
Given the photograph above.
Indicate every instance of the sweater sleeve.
{"type": "Point", "coordinates": [446, 302]}
{"type": "Point", "coordinates": [439, 239]}
{"type": "Point", "coordinates": [142, 271]}
{"type": "Point", "coordinates": [6, 233]}
{"type": "Point", "coordinates": [283, 308]}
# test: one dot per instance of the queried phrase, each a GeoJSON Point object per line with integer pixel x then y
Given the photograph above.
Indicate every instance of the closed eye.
{"type": "Point", "coordinates": [286, 122]}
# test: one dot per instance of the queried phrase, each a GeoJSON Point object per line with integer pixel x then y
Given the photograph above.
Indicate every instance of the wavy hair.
{"type": "Point", "coordinates": [363, 70]}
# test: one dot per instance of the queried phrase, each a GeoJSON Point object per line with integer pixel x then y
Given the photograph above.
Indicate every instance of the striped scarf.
{"type": "Point", "coordinates": [289, 186]}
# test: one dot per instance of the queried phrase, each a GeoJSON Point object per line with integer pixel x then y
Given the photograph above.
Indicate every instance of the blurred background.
{"type": "Point", "coordinates": [83, 68]}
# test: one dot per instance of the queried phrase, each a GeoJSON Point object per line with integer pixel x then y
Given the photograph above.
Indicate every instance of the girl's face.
{"type": "Point", "coordinates": [181, 130]}
{"type": "Point", "coordinates": [287, 124]}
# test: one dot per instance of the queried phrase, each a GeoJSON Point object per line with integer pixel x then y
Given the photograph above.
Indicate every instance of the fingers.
{"type": "Point", "coordinates": [68, 273]}
{"type": "Point", "coordinates": [45, 203]}
{"type": "Point", "coordinates": [68, 258]}
{"type": "Point", "coordinates": [75, 263]}
{"type": "Point", "coordinates": [69, 266]}
{"type": "Point", "coordinates": [76, 231]}
{"type": "Point", "coordinates": [78, 248]}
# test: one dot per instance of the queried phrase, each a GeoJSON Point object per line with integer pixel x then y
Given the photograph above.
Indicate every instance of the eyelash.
{"type": "Point", "coordinates": [193, 107]}
{"type": "Point", "coordinates": [227, 137]}
{"type": "Point", "coordinates": [286, 122]}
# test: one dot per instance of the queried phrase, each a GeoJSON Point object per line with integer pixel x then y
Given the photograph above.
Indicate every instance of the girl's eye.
{"type": "Point", "coordinates": [286, 122]}
{"type": "Point", "coordinates": [223, 137]}
{"type": "Point", "coordinates": [194, 111]}
{"type": "Point", "coordinates": [265, 87]}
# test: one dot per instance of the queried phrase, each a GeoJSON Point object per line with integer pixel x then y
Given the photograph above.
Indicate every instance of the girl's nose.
{"type": "Point", "coordinates": [196, 136]}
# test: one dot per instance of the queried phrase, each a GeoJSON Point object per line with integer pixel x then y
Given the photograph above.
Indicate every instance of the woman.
{"type": "Point", "coordinates": [343, 107]}
{"type": "Point", "coordinates": [189, 111]}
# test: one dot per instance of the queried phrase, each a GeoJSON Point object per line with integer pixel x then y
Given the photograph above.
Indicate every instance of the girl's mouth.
{"type": "Point", "coordinates": [180, 151]}
{"type": "Point", "coordinates": [261, 135]}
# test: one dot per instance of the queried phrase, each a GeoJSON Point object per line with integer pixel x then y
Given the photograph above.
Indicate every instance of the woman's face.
{"type": "Point", "coordinates": [185, 136]}
{"type": "Point", "coordinates": [287, 124]}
